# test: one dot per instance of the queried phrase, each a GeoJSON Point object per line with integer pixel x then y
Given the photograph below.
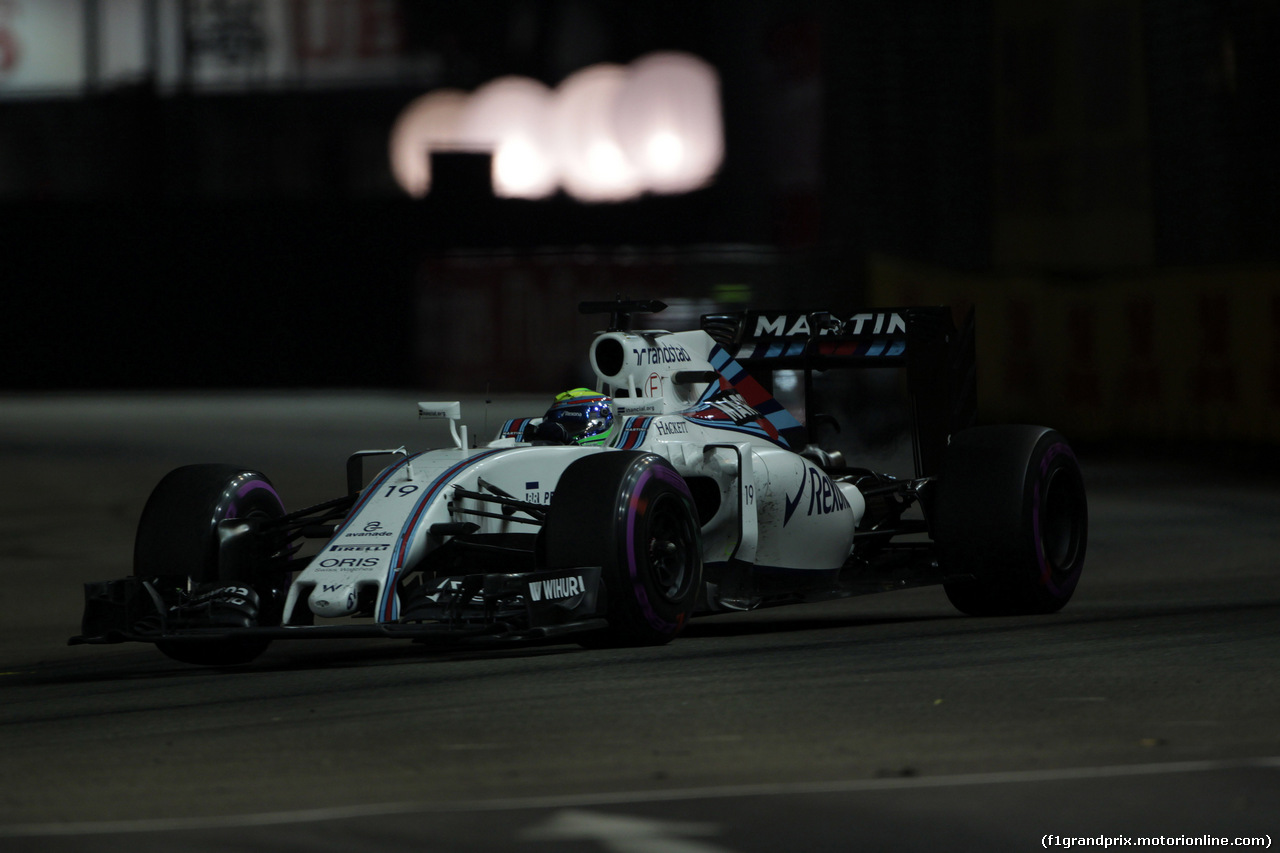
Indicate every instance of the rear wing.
{"type": "Point", "coordinates": [939, 359]}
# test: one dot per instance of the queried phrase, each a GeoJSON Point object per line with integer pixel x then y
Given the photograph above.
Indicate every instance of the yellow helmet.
{"type": "Point", "coordinates": [585, 415]}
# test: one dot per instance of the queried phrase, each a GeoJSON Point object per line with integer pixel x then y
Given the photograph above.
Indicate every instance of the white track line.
{"type": "Point", "coordinates": [119, 827]}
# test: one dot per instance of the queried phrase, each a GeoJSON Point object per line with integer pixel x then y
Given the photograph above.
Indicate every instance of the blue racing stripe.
{"type": "Point", "coordinates": [370, 491]}
{"type": "Point", "coordinates": [389, 606]}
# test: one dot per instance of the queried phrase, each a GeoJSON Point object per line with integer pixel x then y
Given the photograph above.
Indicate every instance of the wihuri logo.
{"type": "Point", "coordinates": [557, 588]}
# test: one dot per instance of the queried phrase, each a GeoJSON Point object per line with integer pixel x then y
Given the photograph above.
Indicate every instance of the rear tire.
{"type": "Point", "coordinates": [177, 541]}
{"type": "Point", "coordinates": [633, 515]}
{"type": "Point", "coordinates": [1011, 521]}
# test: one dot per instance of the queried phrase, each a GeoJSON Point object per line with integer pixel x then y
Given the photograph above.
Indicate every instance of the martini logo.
{"type": "Point", "coordinates": [783, 326]}
{"type": "Point", "coordinates": [797, 325]}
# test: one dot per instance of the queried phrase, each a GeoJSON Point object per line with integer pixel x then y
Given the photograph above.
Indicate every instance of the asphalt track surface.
{"type": "Point", "coordinates": [1147, 708]}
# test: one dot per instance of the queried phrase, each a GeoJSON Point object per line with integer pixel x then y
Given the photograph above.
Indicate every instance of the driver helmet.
{"type": "Point", "coordinates": [585, 415]}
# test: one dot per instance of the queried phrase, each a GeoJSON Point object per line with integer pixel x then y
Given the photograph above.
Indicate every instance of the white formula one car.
{"type": "Point", "coordinates": [678, 486]}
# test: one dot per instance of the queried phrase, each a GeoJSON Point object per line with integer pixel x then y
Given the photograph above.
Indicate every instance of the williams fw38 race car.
{"type": "Point", "coordinates": [679, 485]}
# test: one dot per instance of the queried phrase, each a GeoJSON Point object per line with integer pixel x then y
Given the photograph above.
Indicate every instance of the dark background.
{"type": "Point", "coordinates": [1099, 174]}
{"type": "Point", "coordinates": [185, 239]}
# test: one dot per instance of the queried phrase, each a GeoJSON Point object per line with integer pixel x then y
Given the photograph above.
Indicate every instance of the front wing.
{"type": "Point", "coordinates": [467, 609]}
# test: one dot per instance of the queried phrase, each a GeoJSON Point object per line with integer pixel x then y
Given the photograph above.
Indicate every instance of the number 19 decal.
{"type": "Point", "coordinates": [401, 491]}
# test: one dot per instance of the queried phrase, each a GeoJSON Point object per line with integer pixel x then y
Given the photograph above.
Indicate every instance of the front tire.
{"type": "Point", "coordinates": [177, 541]}
{"type": "Point", "coordinates": [632, 514]}
{"type": "Point", "coordinates": [1011, 521]}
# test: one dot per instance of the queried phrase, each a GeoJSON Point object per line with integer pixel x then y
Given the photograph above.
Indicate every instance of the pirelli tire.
{"type": "Point", "coordinates": [1011, 521]}
{"type": "Point", "coordinates": [177, 541]}
{"type": "Point", "coordinates": [631, 514]}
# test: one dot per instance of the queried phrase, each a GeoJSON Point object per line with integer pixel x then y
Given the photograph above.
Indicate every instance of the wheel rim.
{"type": "Point", "coordinates": [670, 546]}
{"type": "Point", "coordinates": [252, 499]}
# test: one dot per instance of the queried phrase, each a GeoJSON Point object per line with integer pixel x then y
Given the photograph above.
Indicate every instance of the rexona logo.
{"type": "Point", "coordinates": [556, 588]}
{"type": "Point", "coordinates": [794, 325]}
{"type": "Point", "coordinates": [825, 496]}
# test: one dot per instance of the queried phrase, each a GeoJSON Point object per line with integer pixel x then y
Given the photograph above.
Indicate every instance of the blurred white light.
{"type": "Point", "coordinates": [667, 118]}
{"type": "Point", "coordinates": [607, 133]}
{"type": "Point", "coordinates": [510, 117]}
{"type": "Point", "coordinates": [592, 164]}
{"type": "Point", "coordinates": [664, 153]}
{"type": "Point", "coordinates": [519, 167]}
{"type": "Point", "coordinates": [429, 123]}
{"type": "Point", "coordinates": [606, 163]}
{"type": "Point", "coordinates": [786, 381]}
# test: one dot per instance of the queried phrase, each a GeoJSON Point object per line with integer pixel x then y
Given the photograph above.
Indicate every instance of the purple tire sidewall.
{"type": "Point", "coordinates": [641, 594]}
{"type": "Point", "coordinates": [231, 508]}
{"type": "Point", "coordinates": [1057, 589]}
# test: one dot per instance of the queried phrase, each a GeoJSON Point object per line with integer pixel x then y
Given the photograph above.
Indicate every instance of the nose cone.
{"type": "Point", "coordinates": [332, 600]}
